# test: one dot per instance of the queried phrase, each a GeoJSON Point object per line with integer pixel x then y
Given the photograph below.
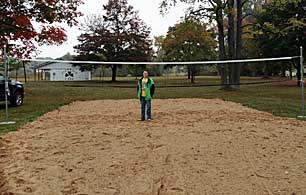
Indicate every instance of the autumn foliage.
{"type": "Point", "coordinates": [25, 24]}
{"type": "Point", "coordinates": [118, 35]}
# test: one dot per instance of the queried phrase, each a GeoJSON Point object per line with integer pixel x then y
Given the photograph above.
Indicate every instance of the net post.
{"type": "Point", "coordinates": [6, 87]}
{"type": "Point", "coordinates": [302, 83]}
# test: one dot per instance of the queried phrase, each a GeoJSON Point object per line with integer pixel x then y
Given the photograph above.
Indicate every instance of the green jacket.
{"type": "Point", "coordinates": [150, 89]}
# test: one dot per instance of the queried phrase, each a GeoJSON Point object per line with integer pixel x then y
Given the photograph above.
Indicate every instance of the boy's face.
{"type": "Point", "coordinates": [145, 74]}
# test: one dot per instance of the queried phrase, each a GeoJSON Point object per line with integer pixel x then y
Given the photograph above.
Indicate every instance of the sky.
{"type": "Point", "coordinates": [149, 12]}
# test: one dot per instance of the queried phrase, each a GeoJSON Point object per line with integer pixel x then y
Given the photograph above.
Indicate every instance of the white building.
{"type": "Point", "coordinates": [57, 71]}
{"type": "Point", "coordinates": [294, 72]}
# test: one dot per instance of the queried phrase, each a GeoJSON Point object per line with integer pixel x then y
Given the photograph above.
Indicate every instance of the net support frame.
{"type": "Point", "coordinates": [6, 88]}
{"type": "Point", "coordinates": [302, 84]}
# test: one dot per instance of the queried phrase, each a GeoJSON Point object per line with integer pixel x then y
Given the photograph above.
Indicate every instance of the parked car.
{"type": "Point", "coordinates": [16, 91]}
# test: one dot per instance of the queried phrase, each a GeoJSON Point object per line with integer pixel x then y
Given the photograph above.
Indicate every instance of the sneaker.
{"type": "Point", "coordinates": [140, 120]}
{"type": "Point", "coordinates": [149, 119]}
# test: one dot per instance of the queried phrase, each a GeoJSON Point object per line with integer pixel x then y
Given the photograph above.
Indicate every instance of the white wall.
{"type": "Point", "coordinates": [58, 72]}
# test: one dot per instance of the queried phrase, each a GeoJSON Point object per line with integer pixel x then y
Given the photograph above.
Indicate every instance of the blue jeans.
{"type": "Point", "coordinates": [145, 104]}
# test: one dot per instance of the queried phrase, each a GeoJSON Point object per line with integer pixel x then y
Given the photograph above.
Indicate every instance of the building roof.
{"type": "Point", "coordinates": [41, 65]}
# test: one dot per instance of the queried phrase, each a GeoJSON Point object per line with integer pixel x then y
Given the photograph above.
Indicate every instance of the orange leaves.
{"type": "Point", "coordinates": [190, 34]}
{"type": "Point", "coordinates": [16, 19]}
{"type": "Point", "coordinates": [189, 40]}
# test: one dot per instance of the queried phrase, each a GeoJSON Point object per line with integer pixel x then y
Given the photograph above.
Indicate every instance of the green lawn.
{"type": "Point", "coordinates": [42, 97]}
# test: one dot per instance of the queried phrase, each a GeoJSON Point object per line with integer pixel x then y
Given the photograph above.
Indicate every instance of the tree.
{"type": "Point", "coordinates": [189, 40]}
{"type": "Point", "coordinates": [281, 29]}
{"type": "Point", "coordinates": [158, 56]}
{"type": "Point", "coordinates": [67, 57]}
{"type": "Point", "coordinates": [215, 11]}
{"type": "Point", "coordinates": [16, 23]}
{"type": "Point", "coordinates": [159, 52]}
{"type": "Point", "coordinates": [15, 65]}
{"type": "Point", "coordinates": [119, 35]}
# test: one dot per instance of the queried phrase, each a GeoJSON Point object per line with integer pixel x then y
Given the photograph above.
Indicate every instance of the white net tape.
{"type": "Point", "coordinates": [164, 63]}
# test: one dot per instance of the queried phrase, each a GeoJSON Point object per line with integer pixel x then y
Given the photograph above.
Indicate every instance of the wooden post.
{"type": "Point", "coordinates": [24, 72]}
{"type": "Point", "coordinates": [34, 74]}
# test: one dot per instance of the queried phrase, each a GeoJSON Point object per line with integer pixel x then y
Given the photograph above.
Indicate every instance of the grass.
{"type": "Point", "coordinates": [42, 97]}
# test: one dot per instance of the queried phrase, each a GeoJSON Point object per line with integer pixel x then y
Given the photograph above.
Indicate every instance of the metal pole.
{"type": "Point", "coordinates": [303, 116]}
{"type": "Point", "coordinates": [6, 88]}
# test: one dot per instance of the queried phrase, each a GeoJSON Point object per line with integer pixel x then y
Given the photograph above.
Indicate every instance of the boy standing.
{"type": "Point", "coordinates": [145, 92]}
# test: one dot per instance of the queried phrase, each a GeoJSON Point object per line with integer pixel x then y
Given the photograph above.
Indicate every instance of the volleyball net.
{"type": "Point", "coordinates": [167, 74]}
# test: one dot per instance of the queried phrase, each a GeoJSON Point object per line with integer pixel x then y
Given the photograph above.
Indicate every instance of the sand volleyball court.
{"type": "Point", "coordinates": [193, 146]}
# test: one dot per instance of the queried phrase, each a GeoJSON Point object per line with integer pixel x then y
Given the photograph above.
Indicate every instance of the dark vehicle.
{"type": "Point", "coordinates": [16, 91]}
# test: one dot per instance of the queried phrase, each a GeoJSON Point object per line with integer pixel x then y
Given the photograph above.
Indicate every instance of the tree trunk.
{"type": "Point", "coordinates": [24, 72]}
{"type": "Point", "coordinates": [193, 71]}
{"type": "Point", "coordinates": [237, 67]}
{"type": "Point", "coordinates": [222, 68]}
{"type": "Point", "coordinates": [290, 71]}
{"type": "Point", "coordinates": [34, 74]}
{"type": "Point", "coordinates": [16, 74]}
{"type": "Point", "coordinates": [266, 72]}
{"type": "Point", "coordinates": [114, 72]}
{"type": "Point", "coordinates": [299, 75]}
{"type": "Point", "coordinates": [192, 78]}
{"type": "Point", "coordinates": [189, 72]}
{"type": "Point", "coordinates": [283, 72]}
{"type": "Point", "coordinates": [231, 41]}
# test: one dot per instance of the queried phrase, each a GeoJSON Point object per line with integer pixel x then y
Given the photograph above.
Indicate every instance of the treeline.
{"type": "Point", "coordinates": [210, 30]}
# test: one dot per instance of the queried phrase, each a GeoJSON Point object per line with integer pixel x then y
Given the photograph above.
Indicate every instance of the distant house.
{"type": "Point", "coordinates": [294, 72]}
{"type": "Point", "coordinates": [57, 71]}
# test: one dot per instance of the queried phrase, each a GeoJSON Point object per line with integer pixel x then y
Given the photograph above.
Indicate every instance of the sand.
{"type": "Point", "coordinates": [193, 146]}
